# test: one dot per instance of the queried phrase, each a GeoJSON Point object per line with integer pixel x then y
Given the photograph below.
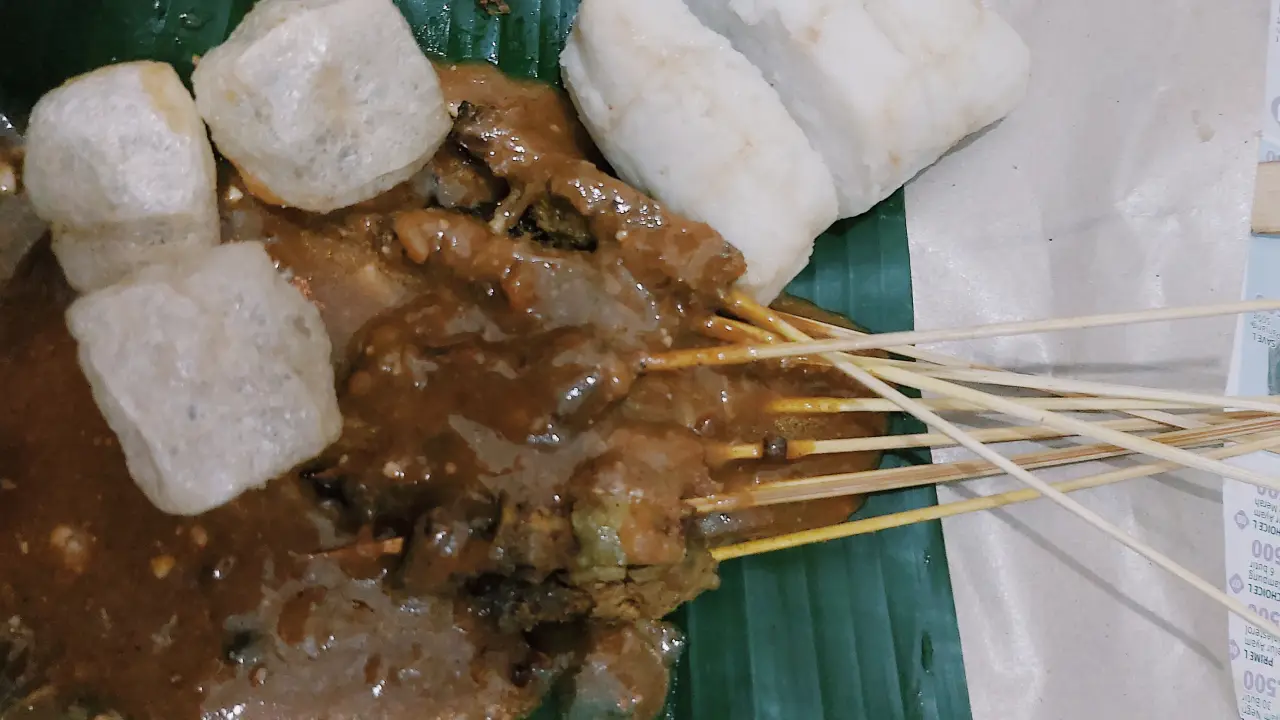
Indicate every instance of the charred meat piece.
{"type": "Point", "coordinates": [538, 539]}
{"type": "Point", "coordinates": [650, 592]}
{"type": "Point", "coordinates": [448, 545]}
{"type": "Point", "coordinates": [523, 602]}
{"type": "Point", "coordinates": [459, 182]}
{"type": "Point", "coordinates": [658, 246]}
{"type": "Point", "coordinates": [559, 288]}
{"type": "Point", "coordinates": [554, 223]}
{"type": "Point", "coordinates": [729, 405]}
{"type": "Point", "coordinates": [629, 508]}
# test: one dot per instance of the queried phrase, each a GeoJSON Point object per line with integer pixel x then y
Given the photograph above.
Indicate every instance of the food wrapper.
{"type": "Point", "coordinates": [1251, 515]}
{"type": "Point", "coordinates": [1124, 181]}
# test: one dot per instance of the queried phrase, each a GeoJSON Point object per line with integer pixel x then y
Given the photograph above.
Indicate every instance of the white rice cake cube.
{"type": "Point", "coordinates": [881, 87]}
{"type": "Point", "coordinates": [119, 163]}
{"type": "Point", "coordinates": [683, 116]}
{"type": "Point", "coordinates": [322, 104]}
{"type": "Point", "coordinates": [212, 370]}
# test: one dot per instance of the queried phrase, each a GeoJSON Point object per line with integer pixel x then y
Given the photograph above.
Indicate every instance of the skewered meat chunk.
{"type": "Point", "coordinates": [629, 509]}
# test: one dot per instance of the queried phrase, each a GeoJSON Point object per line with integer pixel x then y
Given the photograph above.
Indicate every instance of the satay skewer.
{"type": "Point", "coordinates": [822, 405]}
{"type": "Point", "coordinates": [736, 355]}
{"type": "Point", "coordinates": [1077, 389]}
{"type": "Point", "coordinates": [961, 507]}
{"type": "Point", "coordinates": [829, 331]}
{"type": "Point", "coordinates": [735, 331]}
{"type": "Point", "coordinates": [860, 367]}
{"type": "Point", "coordinates": [1080, 388]}
{"type": "Point", "coordinates": [917, 476]}
{"type": "Point", "coordinates": [892, 478]}
{"type": "Point", "coordinates": [719, 327]}
{"type": "Point", "coordinates": [869, 481]}
{"type": "Point", "coordinates": [852, 483]}
{"type": "Point", "coordinates": [899, 478]}
{"type": "Point", "coordinates": [784, 449]}
{"type": "Point", "coordinates": [1073, 394]}
{"type": "Point", "coordinates": [914, 408]}
{"type": "Point", "coordinates": [1120, 398]}
{"type": "Point", "coordinates": [1066, 423]}
{"type": "Point", "coordinates": [926, 356]}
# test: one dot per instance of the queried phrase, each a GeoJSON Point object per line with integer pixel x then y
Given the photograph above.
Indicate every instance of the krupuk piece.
{"type": "Point", "coordinates": [213, 371]}
{"type": "Point", "coordinates": [119, 163]}
{"type": "Point", "coordinates": [322, 104]}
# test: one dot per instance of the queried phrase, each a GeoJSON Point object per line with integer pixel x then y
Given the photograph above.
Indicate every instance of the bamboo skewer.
{"type": "Point", "coordinates": [810, 325]}
{"type": "Point", "coordinates": [795, 449]}
{"type": "Point", "coordinates": [368, 549]}
{"type": "Point", "coordinates": [1096, 389]}
{"type": "Point", "coordinates": [948, 361]}
{"type": "Point", "coordinates": [1066, 423]}
{"type": "Point", "coordinates": [961, 507]}
{"type": "Point", "coordinates": [869, 481]}
{"type": "Point", "coordinates": [1054, 384]}
{"type": "Point", "coordinates": [804, 448]}
{"type": "Point", "coordinates": [732, 330]}
{"type": "Point", "coordinates": [732, 355]}
{"type": "Point", "coordinates": [745, 309]}
{"type": "Point", "coordinates": [741, 332]}
{"type": "Point", "coordinates": [922, 413]}
{"type": "Point", "coordinates": [1067, 387]}
{"type": "Point", "coordinates": [801, 406]}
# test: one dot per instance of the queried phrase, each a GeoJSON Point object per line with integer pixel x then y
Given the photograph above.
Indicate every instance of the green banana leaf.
{"type": "Point", "coordinates": [859, 629]}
